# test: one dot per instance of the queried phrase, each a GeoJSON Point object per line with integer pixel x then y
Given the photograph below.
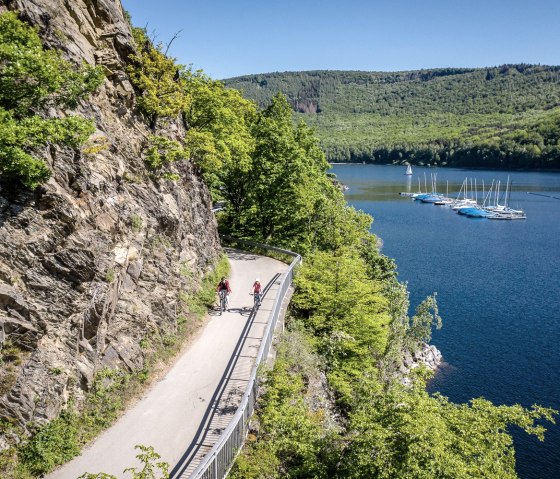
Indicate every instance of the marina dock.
{"type": "Point", "coordinates": [493, 206]}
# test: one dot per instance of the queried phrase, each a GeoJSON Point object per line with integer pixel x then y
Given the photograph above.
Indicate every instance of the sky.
{"type": "Point", "coordinates": [241, 37]}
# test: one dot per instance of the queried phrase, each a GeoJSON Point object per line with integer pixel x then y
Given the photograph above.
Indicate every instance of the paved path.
{"type": "Point", "coordinates": [213, 371]}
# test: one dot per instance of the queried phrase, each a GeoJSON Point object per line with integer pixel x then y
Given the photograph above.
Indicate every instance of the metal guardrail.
{"type": "Point", "coordinates": [217, 463]}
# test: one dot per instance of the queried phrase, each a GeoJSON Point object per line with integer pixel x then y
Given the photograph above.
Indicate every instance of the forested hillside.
{"type": "Point", "coordinates": [506, 116]}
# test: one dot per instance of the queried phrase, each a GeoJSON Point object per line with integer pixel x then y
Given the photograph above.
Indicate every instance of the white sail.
{"type": "Point", "coordinates": [408, 170]}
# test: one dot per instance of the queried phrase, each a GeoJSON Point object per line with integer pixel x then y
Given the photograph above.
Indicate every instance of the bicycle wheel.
{"type": "Point", "coordinates": [223, 302]}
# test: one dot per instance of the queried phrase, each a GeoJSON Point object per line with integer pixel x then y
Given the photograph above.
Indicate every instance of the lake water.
{"type": "Point", "coordinates": [498, 285]}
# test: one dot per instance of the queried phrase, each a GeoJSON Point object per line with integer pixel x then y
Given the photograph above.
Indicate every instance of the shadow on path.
{"type": "Point", "coordinates": [240, 255]}
{"type": "Point", "coordinates": [213, 407]}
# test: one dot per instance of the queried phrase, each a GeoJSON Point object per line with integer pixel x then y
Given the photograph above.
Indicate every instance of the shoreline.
{"type": "Point", "coordinates": [454, 167]}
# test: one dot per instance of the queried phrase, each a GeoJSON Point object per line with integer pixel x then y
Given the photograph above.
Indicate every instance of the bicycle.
{"type": "Point", "coordinates": [257, 297]}
{"type": "Point", "coordinates": [223, 300]}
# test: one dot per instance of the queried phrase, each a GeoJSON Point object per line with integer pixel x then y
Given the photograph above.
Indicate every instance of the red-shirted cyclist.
{"type": "Point", "coordinates": [223, 289]}
{"type": "Point", "coordinates": [257, 292]}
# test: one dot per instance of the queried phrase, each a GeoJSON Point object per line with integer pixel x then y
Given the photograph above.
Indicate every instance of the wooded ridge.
{"type": "Point", "coordinates": [497, 117]}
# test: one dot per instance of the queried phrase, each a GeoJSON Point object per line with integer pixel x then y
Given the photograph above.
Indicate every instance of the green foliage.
{"type": "Point", "coordinates": [52, 444]}
{"type": "Point", "coordinates": [110, 275]}
{"type": "Point", "coordinates": [19, 137]}
{"type": "Point", "coordinates": [276, 193]}
{"type": "Point", "coordinates": [292, 438]}
{"type": "Point", "coordinates": [347, 313]}
{"type": "Point", "coordinates": [378, 266]}
{"type": "Point", "coordinates": [32, 79]}
{"type": "Point", "coordinates": [11, 358]}
{"type": "Point", "coordinates": [61, 439]}
{"type": "Point", "coordinates": [288, 175]}
{"type": "Point", "coordinates": [390, 430]}
{"type": "Point", "coordinates": [158, 78]}
{"type": "Point", "coordinates": [403, 432]}
{"type": "Point", "coordinates": [161, 151]}
{"type": "Point", "coordinates": [136, 223]}
{"type": "Point", "coordinates": [151, 467]}
{"type": "Point", "coordinates": [170, 176]}
{"type": "Point", "coordinates": [426, 317]}
{"type": "Point", "coordinates": [103, 402]}
{"type": "Point", "coordinates": [95, 145]}
{"type": "Point", "coordinates": [218, 138]}
{"type": "Point", "coordinates": [494, 117]}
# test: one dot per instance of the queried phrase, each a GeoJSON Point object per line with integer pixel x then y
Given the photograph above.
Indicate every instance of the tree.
{"type": "Point", "coordinates": [347, 312]}
{"type": "Point", "coordinates": [218, 122]}
{"type": "Point", "coordinates": [158, 78]}
{"type": "Point", "coordinates": [32, 79]}
{"type": "Point", "coordinates": [407, 433]}
{"type": "Point", "coordinates": [285, 180]}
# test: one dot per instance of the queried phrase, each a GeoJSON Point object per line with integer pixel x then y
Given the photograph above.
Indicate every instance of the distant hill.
{"type": "Point", "coordinates": [499, 117]}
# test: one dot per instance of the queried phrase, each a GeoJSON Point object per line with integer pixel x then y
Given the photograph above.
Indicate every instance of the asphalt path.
{"type": "Point", "coordinates": [169, 415]}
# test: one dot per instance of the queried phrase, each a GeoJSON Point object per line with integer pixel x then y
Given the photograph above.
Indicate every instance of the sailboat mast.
{"type": "Point", "coordinates": [475, 191]}
{"type": "Point", "coordinates": [488, 195]}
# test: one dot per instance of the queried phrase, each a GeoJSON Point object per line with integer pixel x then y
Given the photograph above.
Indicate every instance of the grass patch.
{"type": "Point", "coordinates": [136, 223]}
{"type": "Point", "coordinates": [110, 275]}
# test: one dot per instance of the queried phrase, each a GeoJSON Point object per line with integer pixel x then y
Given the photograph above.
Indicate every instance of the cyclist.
{"type": "Point", "coordinates": [224, 288]}
{"type": "Point", "coordinates": [257, 291]}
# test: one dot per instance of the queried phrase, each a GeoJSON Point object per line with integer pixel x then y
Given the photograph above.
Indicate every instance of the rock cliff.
{"type": "Point", "coordinates": [94, 260]}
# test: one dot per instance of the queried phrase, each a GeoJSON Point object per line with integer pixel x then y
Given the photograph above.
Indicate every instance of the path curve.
{"type": "Point", "coordinates": [169, 414]}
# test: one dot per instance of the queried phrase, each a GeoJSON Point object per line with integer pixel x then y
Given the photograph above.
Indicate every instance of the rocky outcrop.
{"type": "Point", "coordinates": [94, 261]}
{"type": "Point", "coordinates": [428, 356]}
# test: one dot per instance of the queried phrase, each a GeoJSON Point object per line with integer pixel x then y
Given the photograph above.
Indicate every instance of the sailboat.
{"type": "Point", "coordinates": [408, 170]}
{"type": "Point", "coordinates": [504, 212]}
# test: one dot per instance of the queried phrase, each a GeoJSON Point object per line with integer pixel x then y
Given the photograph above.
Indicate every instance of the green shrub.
{"type": "Point", "coordinates": [158, 79]}
{"type": "Point", "coordinates": [52, 444]}
{"type": "Point", "coordinates": [161, 151]}
{"type": "Point", "coordinates": [136, 223]}
{"type": "Point", "coordinates": [32, 79]}
{"type": "Point", "coordinates": [151, 467]}
{"type": "Point", "coordinates": [110, 275]}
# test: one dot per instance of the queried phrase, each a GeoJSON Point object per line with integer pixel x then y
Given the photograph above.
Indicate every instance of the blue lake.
{"type": "Point", "coordinates": [498, 286]}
